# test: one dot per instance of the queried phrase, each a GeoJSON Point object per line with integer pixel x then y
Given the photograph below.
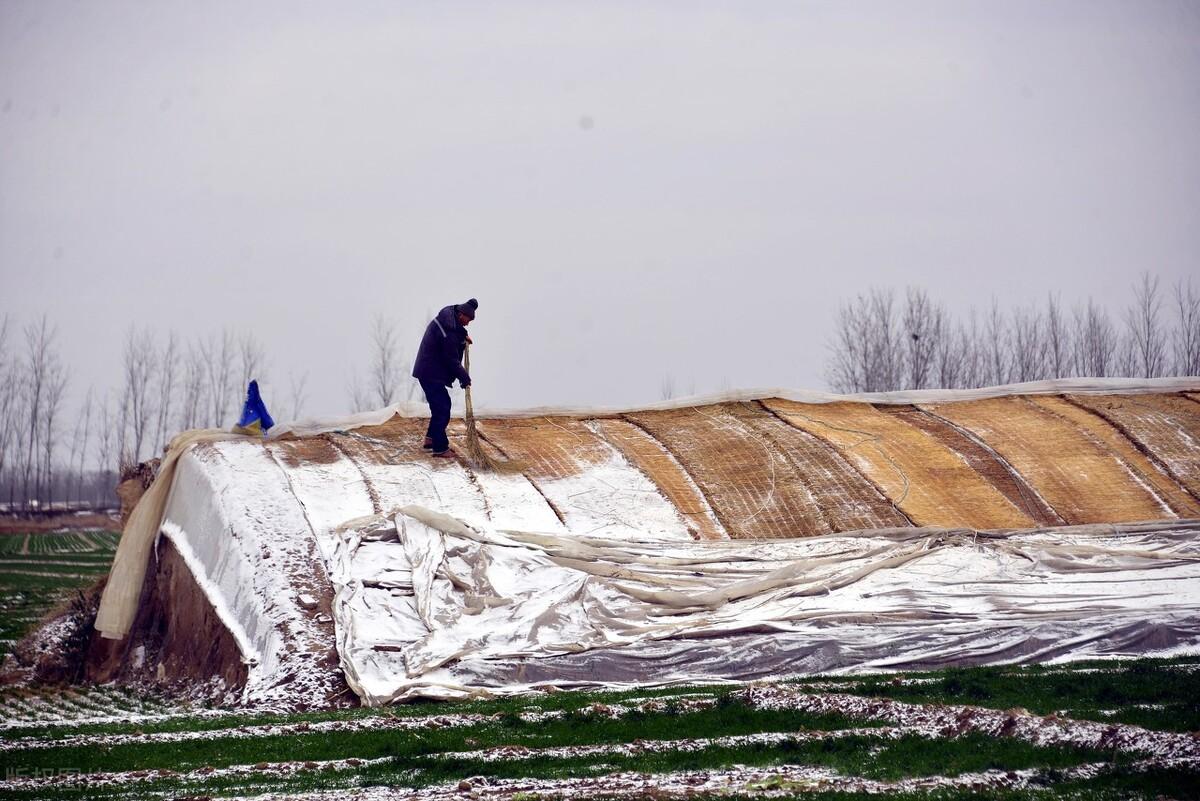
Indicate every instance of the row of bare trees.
{"type": "Point", "coordinates": [882, 344]}
{"type": "Point", "coordinates": [33, 383]}
{"type": "Point", "coordinates": [50, 455]}
{"type": "Point", "coordinates": [169, 386]}
{"type": "Point", "coordinates": [165, 386]}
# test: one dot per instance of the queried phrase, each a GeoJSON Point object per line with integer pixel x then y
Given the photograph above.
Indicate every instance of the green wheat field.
{"type": "Point", "coordinates": [1096, 730]}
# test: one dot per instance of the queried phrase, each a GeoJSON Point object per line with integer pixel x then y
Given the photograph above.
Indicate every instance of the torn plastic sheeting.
{"type": "Point", "coordinates": [495, 612]}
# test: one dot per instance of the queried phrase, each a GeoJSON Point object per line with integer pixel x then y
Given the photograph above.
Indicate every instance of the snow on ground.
{"type": "Point", "coordinates": [1147, 748]}
{"type": "Point", "coordinates": [87, 707]}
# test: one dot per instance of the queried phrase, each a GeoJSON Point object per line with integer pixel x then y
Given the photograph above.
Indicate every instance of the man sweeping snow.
{"type": "Point", "coordinates": [439, 363]}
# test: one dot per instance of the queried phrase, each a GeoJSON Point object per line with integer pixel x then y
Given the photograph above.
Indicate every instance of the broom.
{"type": "Point", "coordinates": [476, 455]}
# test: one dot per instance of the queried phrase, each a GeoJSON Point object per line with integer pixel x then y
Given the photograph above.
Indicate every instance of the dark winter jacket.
{"type": "Point", "coordinates": [440, 356]}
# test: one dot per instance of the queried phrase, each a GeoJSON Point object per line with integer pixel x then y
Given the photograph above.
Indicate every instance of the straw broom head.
{"type": "Point", "coordinates": [475, 453]}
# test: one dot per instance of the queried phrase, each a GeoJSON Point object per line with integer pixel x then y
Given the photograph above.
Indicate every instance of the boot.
{"type": "Point", "coordinates": [428, 444]}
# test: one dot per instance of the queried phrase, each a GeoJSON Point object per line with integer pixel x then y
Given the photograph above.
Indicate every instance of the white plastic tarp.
{"type": "Point", "coordinates": [119, 601]}
{"type": "Point", "coordinates": [426, 606]}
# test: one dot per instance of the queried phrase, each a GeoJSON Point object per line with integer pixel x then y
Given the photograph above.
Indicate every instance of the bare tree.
{"type": "Point", "coordinates": [140, 366]}
{"type": "Point", "coordinates": [1125, 358]}
{"type": "Point", "coordinates": [666, 388]}
{"type": "Point", "coordinates": [8, 398]}
{"type": "Point", "coordinates": [888, 354]}
{"type": "Point", "coordinates": [56, 386]}
{"type": "Point", "coordinates": [1058, 341]}
{"type": "Point", "coordinates": [167, 370]}
{"type": "Point", "coordinates": [974, 357]}
{"type": "Point", "coordinates": [88, 403]}
{"type": "Point", "coordinates": [1028, 345]}
{"type": "Point", "coordinates": [923, 323]}
{"type": "Point", "coordinates": [360, 395]}
{"type": "Point", "coordinates": [874, 350]}
{"type": "Point", "coordinates": [1145, 330]}
{"type": "Point", "coordinates": [1095, 341]}
{"type": "Point", "coordinates": [218, 354]}
{"type": "Point", "coordinates": [850, 348]}
{"type": "Point", "coordinates": [106, 441]}
{"type": "Point", "coordinates": [868, 353]}
{"type": "Point", "coordinates": [73, 456]}
{"type": "Point", "coordinates": [998, 364]}
{"type": "Point", "coordinates": [298, 394]}
{"type": "Point", "coordinates": [79, 443]}
{"type": "Point", "coordinates": [954, 358]}
{"type": "Point", "coordinates": [385, 362]}
{"type": "Point", "coordinates": [21, 457]}
{"type": "Point", "coordinates": [122, 417]}
{"type": "Point", "coordinates": [1187, 329]}
{"type": "Point", "coordinates": [192, 388]}
{"type": "Point", "coordinates": [253, 360]}
{"type": "Point", "coordinates": [40, 368]}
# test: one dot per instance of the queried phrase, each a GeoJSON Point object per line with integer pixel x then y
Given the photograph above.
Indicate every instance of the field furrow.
{"type": "Point", "coordinates": [742, 741]}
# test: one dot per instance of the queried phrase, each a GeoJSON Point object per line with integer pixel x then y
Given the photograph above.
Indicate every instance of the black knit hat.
{"type": "Point", "coordinates": [469, 308]}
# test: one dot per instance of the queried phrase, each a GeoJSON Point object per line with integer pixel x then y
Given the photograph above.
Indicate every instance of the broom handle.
{"type": "Point", "coordinates": [467, 357]}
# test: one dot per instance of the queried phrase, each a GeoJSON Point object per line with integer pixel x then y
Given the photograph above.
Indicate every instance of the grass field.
{"type": "Point", "coordinates": [1103, 730]}
{"type": "Point", "coordinates": [39, 570]}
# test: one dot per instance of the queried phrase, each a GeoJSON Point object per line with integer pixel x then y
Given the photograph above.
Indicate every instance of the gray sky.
{"type": "Point", "coordinates": [629, 189]}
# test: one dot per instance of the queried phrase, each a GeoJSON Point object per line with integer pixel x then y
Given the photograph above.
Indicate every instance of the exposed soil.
{"type": "Point", "coordinates": [308, 450]}
{"type": "Point", "coordinates": [177, 641]}
{"type": "Point", "coordinates": [55, 651]}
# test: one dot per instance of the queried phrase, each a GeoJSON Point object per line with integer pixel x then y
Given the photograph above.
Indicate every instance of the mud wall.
{"type": "Point", "coordinates": [177, 638]}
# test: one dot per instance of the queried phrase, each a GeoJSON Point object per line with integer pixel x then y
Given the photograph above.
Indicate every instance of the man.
{"type": "Point", "coordinates": [439, 362]}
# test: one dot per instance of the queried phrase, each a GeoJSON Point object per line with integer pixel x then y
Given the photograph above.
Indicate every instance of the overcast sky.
{"type": "Point", "coordinates": [630, 190]}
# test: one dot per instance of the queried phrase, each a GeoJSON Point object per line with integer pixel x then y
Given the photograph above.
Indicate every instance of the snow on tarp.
{"type": "Point", "coordinates": [249, 540]}
{"type": "Point", "coordinates": [256, 522]}
{"type": "Point", "coordinates": [427, 606]}
{"type": "Point", "coordinates": [118, 603]}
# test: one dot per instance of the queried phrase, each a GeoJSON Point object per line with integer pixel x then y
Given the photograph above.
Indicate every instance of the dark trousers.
{"type": "Point", "coordinates": [438, 398]}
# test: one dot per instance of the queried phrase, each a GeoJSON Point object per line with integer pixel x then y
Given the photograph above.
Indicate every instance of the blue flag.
{"type": "Point", "coordinates": [255, 418]}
